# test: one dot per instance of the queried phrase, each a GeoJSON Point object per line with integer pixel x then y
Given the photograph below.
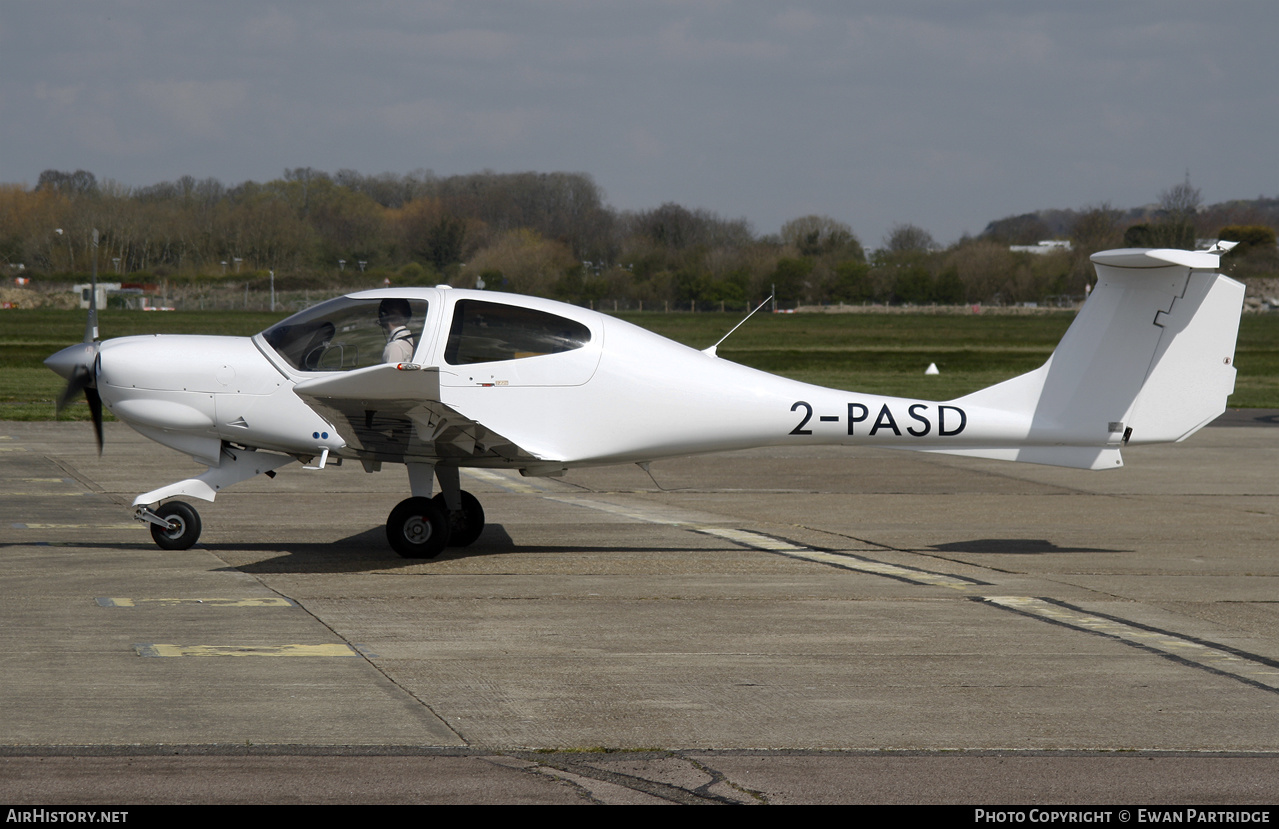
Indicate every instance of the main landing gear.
{"type": "Point", "coordinates": [422, 527]}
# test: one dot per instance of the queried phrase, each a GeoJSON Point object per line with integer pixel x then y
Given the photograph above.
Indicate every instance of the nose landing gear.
{"type": "Point", "coordinates": [174, 526]}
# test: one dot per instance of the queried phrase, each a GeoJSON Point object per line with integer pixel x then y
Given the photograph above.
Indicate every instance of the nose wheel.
{"type": "Point", "coordinates": [418, 528]}
{"type": "Point", "coordinates": [181, 528]}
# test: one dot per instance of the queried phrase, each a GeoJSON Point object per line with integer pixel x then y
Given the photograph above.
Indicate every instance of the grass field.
{"type": "Point", "coordinates": [877, 353]}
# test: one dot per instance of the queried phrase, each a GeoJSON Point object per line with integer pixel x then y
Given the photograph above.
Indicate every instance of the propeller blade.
{"type": "Point", "coordinates": [80, 381]}
{"type": "Point", "coordinates": [94, 400]}
{"type": "Point", "coordinates": [79, 363]}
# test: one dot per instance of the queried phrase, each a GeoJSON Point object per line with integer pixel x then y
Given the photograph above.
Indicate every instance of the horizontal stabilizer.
{"type": "Point", "coordinates": [1076, 457]}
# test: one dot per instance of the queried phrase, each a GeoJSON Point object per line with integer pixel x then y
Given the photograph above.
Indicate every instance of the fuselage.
{"type": "Point", "coordinates": [613, 393]}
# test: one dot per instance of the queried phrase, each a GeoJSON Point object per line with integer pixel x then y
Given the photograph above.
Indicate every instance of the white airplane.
{"type": "Point", "coordinates": [515, 382]}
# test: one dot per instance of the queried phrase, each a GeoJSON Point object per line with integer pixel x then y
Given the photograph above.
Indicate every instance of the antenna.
{"type": "Point", "coordinates": [91, 324]}
{"type": "Point", "coordinates": [711, 350]}
{"type": "Point", "coordinates": [645, 466]}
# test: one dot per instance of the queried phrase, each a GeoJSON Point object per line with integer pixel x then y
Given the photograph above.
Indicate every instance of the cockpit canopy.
{"type": "Point", "coordinates": [349, 333]}
{"type": "Point", "coordinates": [341, 334]}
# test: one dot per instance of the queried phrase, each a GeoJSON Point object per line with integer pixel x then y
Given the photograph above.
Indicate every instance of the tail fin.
{"type": "Point", "coordinates": [1149, 359]}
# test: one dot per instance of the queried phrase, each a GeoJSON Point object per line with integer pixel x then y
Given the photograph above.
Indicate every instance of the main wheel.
{"type": "Point", "coordinates": [418, 528]}
{"type": "Point", "coordinates": [466, 524]}
{"type": "Point", "coordinates": [184, 526]}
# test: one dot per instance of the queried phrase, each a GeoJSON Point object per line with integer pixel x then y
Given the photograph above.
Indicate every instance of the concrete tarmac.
{"type": "Point", "coordinates": [773, 626]}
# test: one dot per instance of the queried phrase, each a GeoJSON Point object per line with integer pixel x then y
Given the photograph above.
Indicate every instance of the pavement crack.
{"type": "Point", "coordinates": [652, 788]}
{"type": "Point", "coordinates": [85, 482]}
{"type": "Point", "coordinates": [719, 778]}
{"type": "Point", "coordinates": [353, 646]}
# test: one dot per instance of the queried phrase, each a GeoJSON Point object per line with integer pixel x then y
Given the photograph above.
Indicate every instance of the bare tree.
{"type": "Point", "coordinates": [1178, 210]}
{"type": "Point", "coordinates": [1181, 201]}
{"type": "Point", "coordinates": [675, 227]}
{"type": "Point", "coordinates": [1095, 228]}
{"type": "Point", "coordinates": [821, 235]}
{"type": "Point", "coordinates": [1026, 229]}
{"type": "Point", "coordinates": [81, 182]}
{"type": "Point", "coordinates": [908, 238]}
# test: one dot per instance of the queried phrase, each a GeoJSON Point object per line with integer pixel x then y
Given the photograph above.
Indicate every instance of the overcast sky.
{"type": "Point", "coordinates": [943, 114]}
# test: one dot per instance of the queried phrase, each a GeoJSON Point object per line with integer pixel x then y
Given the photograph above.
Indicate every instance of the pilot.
{"type": "Point", "coordinates": [393, 315]}
{"type": "Point", "coordinates": [318, 346]}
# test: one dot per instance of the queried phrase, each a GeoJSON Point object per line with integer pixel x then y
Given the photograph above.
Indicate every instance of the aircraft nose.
{"type": "Point", "coordinates": [66, 361]}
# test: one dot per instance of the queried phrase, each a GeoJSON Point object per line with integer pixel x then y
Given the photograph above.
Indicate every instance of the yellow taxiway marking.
{"type": "Point", "coordinates": [166, 650]}
{"type": "Point", "coordinates": [265, 601]}
{"type": "Point", "coordinates": [50, 493]}
{"type": "Point", "coordinates": [1256, 670]}
{"type": "Point", "coordinates": [75, 526]}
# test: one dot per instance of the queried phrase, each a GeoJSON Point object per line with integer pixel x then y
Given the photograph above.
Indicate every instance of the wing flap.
{"type": "Point", "coordinates": [389, 382]}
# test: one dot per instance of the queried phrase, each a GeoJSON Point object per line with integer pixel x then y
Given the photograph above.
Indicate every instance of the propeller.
{"type": "Point", "coordinates": [79, 363]}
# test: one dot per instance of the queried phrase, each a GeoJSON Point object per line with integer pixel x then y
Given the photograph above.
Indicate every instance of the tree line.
{"type": "Point", "coordinates": [551, 234]}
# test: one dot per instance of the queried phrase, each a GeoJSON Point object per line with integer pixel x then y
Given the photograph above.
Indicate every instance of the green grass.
{"type": "Point", "coordinates": [876, 353]}
{"type": "Point", "coordinates": [28, 389]}
{"type": "Point", "coordinates": [887, 353]}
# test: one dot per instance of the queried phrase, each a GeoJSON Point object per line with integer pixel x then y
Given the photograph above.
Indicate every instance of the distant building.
{"type": "Point", "coordinates": [86, 289]}
{"type": "Point", "coordinates": [126, 295]}
{"type": "Point", "coordinates": [1046, 246]}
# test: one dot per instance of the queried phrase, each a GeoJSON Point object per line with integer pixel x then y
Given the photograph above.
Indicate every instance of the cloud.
{"type": "Point", "coordinates": [873, 112]}
{"type": "Point", "coordinates": [442, 127]}
{"type": "Point", "coordinates": [197, 108]}
{"type": "Point", "coordinates": [678, 42]}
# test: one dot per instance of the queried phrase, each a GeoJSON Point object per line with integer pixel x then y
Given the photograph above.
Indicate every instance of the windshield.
{"type": "Point", "coordinates": [346, 333]}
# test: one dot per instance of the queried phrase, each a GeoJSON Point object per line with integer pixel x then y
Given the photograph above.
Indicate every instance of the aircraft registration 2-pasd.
{"type": "Point", "coordinates": [919, 419]}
